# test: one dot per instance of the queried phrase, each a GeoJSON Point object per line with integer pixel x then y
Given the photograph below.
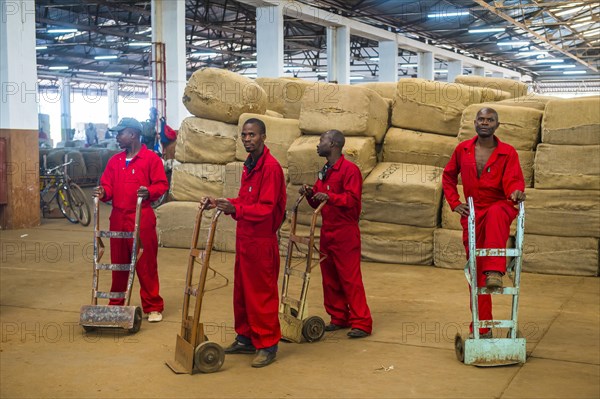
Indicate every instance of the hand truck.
{"type": "Point", "coordinates": [127, 317]}
{"type": "Point", "coordinates": [494, 351]}
{"type": "Point", "coordinates": [193, 350]}
{"type": "Point", "coordinates": [292, 311]}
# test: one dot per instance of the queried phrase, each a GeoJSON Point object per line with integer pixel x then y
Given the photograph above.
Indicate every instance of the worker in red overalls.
{"type": "Point", "coordinates": [492, 175]}
{"type": "Point", "coordinates": [340, 184]}
{"type": "Point", "coordinates": [259, 210]}
{"type": "Point", "coordinates": [135, 171]}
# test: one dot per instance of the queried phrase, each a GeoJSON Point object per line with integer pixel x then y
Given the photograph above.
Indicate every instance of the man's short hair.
{"type": "Point", "coordinates": [337, 138]}
{"type": "Point", "coordinates": [488, 110]}
{"type": "Point", "coordinates": [257, 122]}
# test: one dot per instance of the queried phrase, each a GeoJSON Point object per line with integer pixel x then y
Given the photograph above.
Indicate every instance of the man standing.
{"type": "Point", "coordinates": [134, 172]}
{"type": "Point", "coordinates": [259, 210]}
{"type": "Point", "coordinates": [340, 184]}
{"type": "Point", "coordinates": [492, 175]}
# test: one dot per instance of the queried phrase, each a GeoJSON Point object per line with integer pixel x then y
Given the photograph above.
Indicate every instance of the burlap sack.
{"type": "Point", "coordinates": [574, 167]}
{"type": "Point", "coordinates": [284, 95]}
{"type": "Point", "coordinates": [175, 224]}
{"type": "Point", "coordinates": [489, 94]}
{"type": "Point", "coordinates": [93, 163]}
{"type": "Point", "coordinates": [572, 121]}
{"type": "Point", "coordinates": [403, 193]}
{"type": "Point", "coordinates": [519, 126]}
{"type": "Point", "coordinates": [434, 107]}
{"type": "Point", "coordinates": [515, 88]}
{"type": "Point", "coordinates": [206, 141]}
{"type": "Point", "coordinates": [409, 146]}
{"type": "Point", "coordinates": [386, 90]}
{"type": "Point", "coordinates": [274, 114]}
{"type": "Point", "coordinates": [305, 211]}
{"type": "Point", "coordinates": [451, 220]}
{"type": "Point", "coordinates": [225, 234]}
{"type": "Point", "coordinates": [299, 251]}
{"type": "Point", "coordinates": [449, 250]}
{"type": "Point", "coordinates": [574, 256]}
{"type": "Point", "coordinates": [233, 179]}
{"type": "Point", "coordinates": [304, 163]}
{"type": "Point", "coordinates": [281, 133]}
{"type": "Point", "coordinates": [394, 243]}
{"type": "Point", "coordinates": [192, 182]}
{"type": "Point", "coordinates": [355, 111]}
{"type": "Point", "coordinates": [76, 169]}
{"type": "Point", "coordinates": [222, 95]}
{"type": "Point", "coordinates": [530, 101]}
{"type": "Point", "coordinates": [564, 213]}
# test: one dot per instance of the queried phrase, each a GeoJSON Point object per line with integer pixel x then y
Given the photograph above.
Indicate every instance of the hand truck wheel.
{"type": "Point", "coordinates": [313, 329]}
{"type": "Point", "coordinates": [209, 357]}
{"type": "Point", "coordinates": [137, 321]}
{"type": "Point", "coordinates": [89, 329]}
{"type": "Point", "coordinates": [459, 348]}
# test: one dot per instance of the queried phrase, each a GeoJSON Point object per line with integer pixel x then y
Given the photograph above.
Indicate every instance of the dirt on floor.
{"type": "Point", "coordinates": [45, 276]}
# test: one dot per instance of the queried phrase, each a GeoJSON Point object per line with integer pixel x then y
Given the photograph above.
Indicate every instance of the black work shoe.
{"type": "Point", "coordinates": [263, 358]}
{"type": "Point", "coordinates": [357, 333]}
{"type": "Point", "coordinates": [333, 327]}
{"type": "Point", "coordinates": [238, 347]}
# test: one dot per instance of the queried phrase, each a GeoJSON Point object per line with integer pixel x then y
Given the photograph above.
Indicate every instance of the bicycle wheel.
{"type": "Point", "coordinates": [64, 199]}
{"type": "Point", "coordinates": [79, 204]}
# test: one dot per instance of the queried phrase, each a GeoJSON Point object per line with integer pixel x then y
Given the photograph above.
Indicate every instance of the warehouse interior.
{"type": "Point", "coordinates": [403, 80]}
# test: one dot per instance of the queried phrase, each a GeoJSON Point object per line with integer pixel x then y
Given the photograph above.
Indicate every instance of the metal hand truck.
{"type": "Point", "coordinates": [193, 350]}
{"type": "Point", "coordinates": [494, 351]}
{"type": "Point", "coordinates": [127, 317]}
{"type": "Point", "coordinates": [292, 311]}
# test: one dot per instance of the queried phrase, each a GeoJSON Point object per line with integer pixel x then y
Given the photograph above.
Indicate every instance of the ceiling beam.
{"type": "Point", "coordinates": [508, 18]}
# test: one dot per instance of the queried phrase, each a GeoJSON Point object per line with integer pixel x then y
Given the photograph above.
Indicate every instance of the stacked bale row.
{"type": "Point", "coordinates": [563, 210]}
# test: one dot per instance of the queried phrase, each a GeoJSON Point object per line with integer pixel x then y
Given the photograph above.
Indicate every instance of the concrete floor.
{"type": "Point", "coordinates": [46, 276]}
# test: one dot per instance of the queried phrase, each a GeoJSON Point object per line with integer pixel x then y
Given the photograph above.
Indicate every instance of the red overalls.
{"type": "Point", "coordinates": [494, 212]}
{"type": "Point", "coordinates": [120, 184]}
{"type": "Point", "coordinates": [343, 290]}
{"type": "Point", "coordinates": [259, 211]}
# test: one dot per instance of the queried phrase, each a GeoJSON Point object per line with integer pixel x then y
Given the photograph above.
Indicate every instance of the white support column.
{"type": "Point", "coordinates": [479, 71]}
{"type": "Point", "coordinates": [168, 27]}
{"type": "Point", "coordinates": [425, 61]}
{"type": "Point", "coordinates": [388, 61]}
{"type": "Point", "coordinates": [455, 68]}
{"type": "Point", "coordinates": [269, 41]}
{"type": "Point", "coordinates": [18, 73]}
{"type": "Point", "coordinates": [338, 54]}
{"type": "Point", "coordinates": [497, 75]}
{"type": "Point", "coordinates": [112, 93]}
{"type": "Point", "coordinates": [65, 107]}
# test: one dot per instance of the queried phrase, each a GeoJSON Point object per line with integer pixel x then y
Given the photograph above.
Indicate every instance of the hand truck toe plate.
{"type": "Point", "coordinates": [107, 316]}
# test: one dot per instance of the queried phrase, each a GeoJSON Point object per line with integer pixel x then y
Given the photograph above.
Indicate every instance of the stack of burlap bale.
{"type": "Point", "coordinates": [402, 196]}
{"type": "Point", "coordinates": [360, 113]}
{"type": "Point", "coordinates": [206, 144]}
{"type": "Point", "coordinates": [562, 223]}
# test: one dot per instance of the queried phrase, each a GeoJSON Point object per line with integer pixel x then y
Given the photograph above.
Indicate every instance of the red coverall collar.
{"type": "Point", "coordinates": [261, 160]}
{"type": "Point", "coordinates": [338, 164]}
{"type": "Point", "coordinates": [141, 153]}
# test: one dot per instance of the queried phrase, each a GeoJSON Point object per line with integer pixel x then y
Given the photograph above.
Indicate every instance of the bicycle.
{"type": "Point", "coordinates": [56, 184]}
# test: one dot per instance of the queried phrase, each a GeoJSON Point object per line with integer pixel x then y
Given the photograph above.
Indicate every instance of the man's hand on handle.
{"type": "Point", "coordinates": [306, 191]}
{"type": "Point", "coordinates": [517, 196]}
{"type": "Point", "coordinates": [225, 206]}
{"type": "Point", "coordinates": [320, 197]}
{"type": "Point", "coordinates": [210, 202]}
{"type": "Point", "coordinates": [462, 210]}
{"type": "Point", "coordinates": [99, 192]}
{"type": "Point", "coordinates": [143, 192]}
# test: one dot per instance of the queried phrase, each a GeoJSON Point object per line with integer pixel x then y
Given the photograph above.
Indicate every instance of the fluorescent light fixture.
{"type": "Point", "coordinates": [357, 77]}
{"type": "Point", "coordinates": [447, 14]}
{"type": "Point", "coordinates": [249, 75]}
{"type": "Point", "coordinates": [293, 68]}
{"type": "Point", "coordinates": [487, 30]}
{"type": "Point", "coordinates": [550, 61]}
{"type": "Point", "coordinates": [254, 54]}
{"type": "Point", "coordinates": [113, 73]}
{"type": "Point", "coordinates": [248, 62]}
{"type": "Point", "coordinates": [374, 59]}
{"type": "Point", "coordinates": [591, 32]}
{"type": "Point", "coordinates": [41, 47]}
{"type": "Point", "coordinates": [65, 30]}
{"type": "Point", "coordinates": [440, 71]}
{"type": "Point", "coordinates": [562, 66]}
{"type": "Point", "coordinates": [139, 44]}
{"type": "Point", "coordinates": [532, 52]}
{"type": "Point", "coordinates": [574, 72]}
{"type": "Point", "coordinates": [569, 11]}
{"type": "Point", "coordinates": [514, 43]}
{"type": "Point", "coordinates": [203, 54]}
{"type": "Point", "coordinates": [106, 57]}
{"type": "Point", "coordinates": [409, 66]}
{"type": "Point", "coordinates": [58, 68]}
